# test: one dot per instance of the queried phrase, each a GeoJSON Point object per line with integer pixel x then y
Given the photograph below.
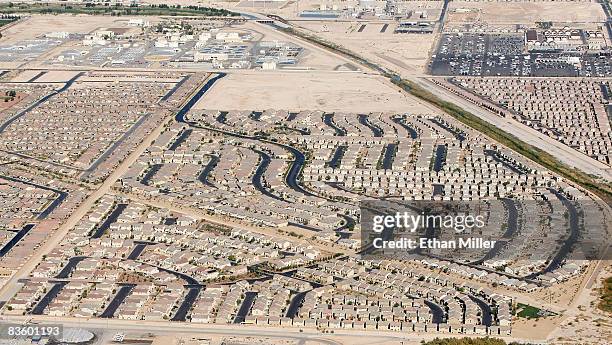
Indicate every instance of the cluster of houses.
{"type": "Point", "coordinates": [145, 265]}
{"type": "Point", "coordinates": [200, 168]}
{"type": "Point", "coordinates": [20, 203]}
{"type": "Point", "coordinates": [35, 206]}
{"type": "Point", "coordinates": [355, 156]}
{"type": "Point", "coordinates": [572, 111]}
{"type": "Point", "coordinates": [77, 125]}
{"type": "Point", "coordinates": [403, 155]}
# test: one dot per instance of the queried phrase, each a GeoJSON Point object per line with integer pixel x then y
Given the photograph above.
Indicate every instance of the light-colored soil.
{"type": "Point", "coordinates": [350, 92]}
{"type": "Point", "coordinates": [580, 322]}
{"type": "Point", "coordinates": [529, 12]}
{"type": "Point", "coordinates": [399, 51]}
{"type": "Point", "coordinates": [57, 76]}
{"type": "Point", "coordinates": [24, 76]}
{"type": "Point", "coordinates": [584, 323]}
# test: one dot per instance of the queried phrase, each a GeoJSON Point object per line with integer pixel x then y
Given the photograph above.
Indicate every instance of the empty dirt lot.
{"type": "Point", "coordinates": [530, 12]}
{"type": "Point", "coordinates": [331, 91]}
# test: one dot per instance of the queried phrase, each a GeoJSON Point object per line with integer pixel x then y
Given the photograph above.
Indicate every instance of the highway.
{"type": "Point", "coordinates": [529, 135]}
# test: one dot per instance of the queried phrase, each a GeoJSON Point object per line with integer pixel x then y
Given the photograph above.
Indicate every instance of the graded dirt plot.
{"type": "Point", "coordinates": [579, 322]}
{"type": "Point", "coordinates": [407, 52]}
{"type": "Point", "coordinates": [526, 12]}
{"type": "Point", "coordinates": [25, 76]}
{"type": "Point", "coordinates": [349, 92]}
{"type": "Point", "coordinates": [56, 76]}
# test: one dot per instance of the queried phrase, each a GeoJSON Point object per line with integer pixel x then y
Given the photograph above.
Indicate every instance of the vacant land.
{"type": "Point", "coordinates": [406, 52]}
{"type": "Point", "coordinates": [351, 92]}
{"type": "Point", "coordinates": [56, 76]}
{"type": "Point", "coordinates": [529, 12]}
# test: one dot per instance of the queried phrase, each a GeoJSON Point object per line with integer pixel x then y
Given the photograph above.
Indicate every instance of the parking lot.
{"type": "Point", "coordinates": [26, 50]}
{"type": "Point", "coordinates": [505, 55]}
{"type": "Point", "coordinates": [125, 55]}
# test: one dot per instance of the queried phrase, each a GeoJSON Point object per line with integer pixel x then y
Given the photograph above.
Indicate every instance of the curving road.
{"type": "Point", "coordinates": [402, 122]}
{"type": "Point", "coordinates": [487, 319]}
{"type": "Point", "coordinates": [328, 119]}
{"type": "Point", "coordinates": [569, 242]}
{"type": "Point", "coordinates": [512, 224]}
{"type": "Point", "coordinates": [257, 180]}
{"type": "Point", "coordinates": [365, 120]}
{"type": "Point", "coordinates": [203, 176]}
